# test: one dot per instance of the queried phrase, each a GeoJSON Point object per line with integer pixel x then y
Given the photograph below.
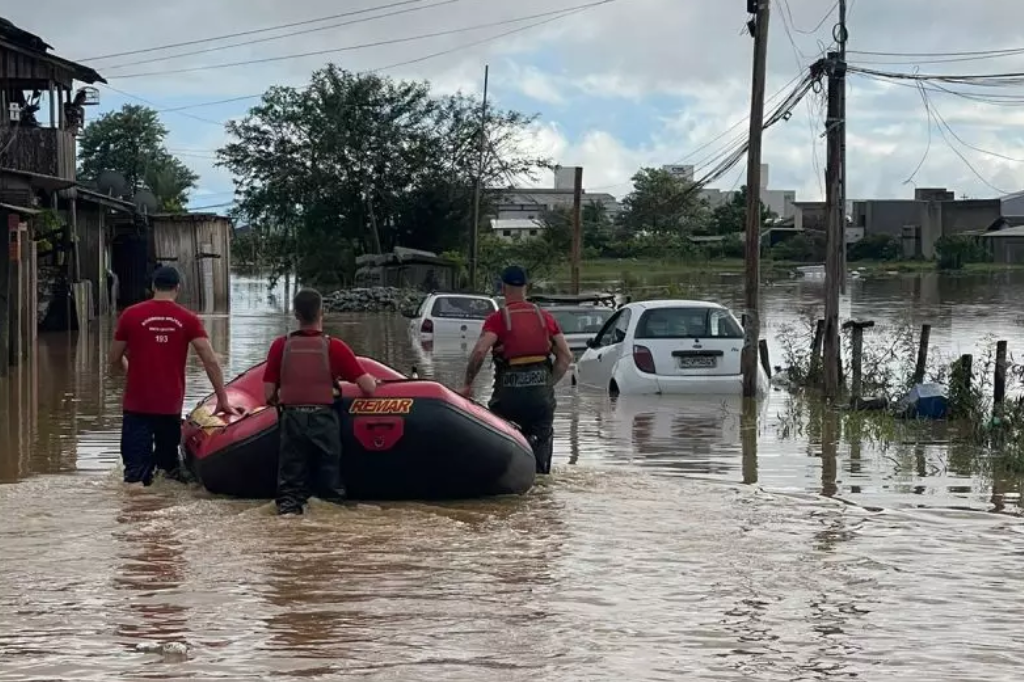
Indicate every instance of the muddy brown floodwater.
{"type": "Point", "coordinates": [674, 541]}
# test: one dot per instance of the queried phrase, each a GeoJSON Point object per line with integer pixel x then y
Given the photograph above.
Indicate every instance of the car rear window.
{"type": "Point", "coordinates": [580, 321]}
{"type": "Point", "coordinates": [687, 323]}
{"type": "Point", "coordinates": [462, 308]}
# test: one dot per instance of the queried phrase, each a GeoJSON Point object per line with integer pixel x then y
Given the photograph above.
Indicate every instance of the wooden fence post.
{"type": "Point", "coordinates": [999, 385]}
{"type": "Point", "coordinates": [922, 353]}
{"type": "Point", "coordinates": [857, 358]}
{"type": "Point", "coordinates": [766, 364]}
{"type": "Point", "coordinates": [816, 342]}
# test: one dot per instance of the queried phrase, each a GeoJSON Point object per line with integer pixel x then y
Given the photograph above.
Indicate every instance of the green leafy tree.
{"type": "Point", "coordinates": [595, 225]}
{"type": "Point", "coordinates": [955, 251]}
{"type": "Point", "coordinates": [877, 247]}
{"type": "Point", "coordinates": [131, 142]}
{"type": "Point", "coordinates": [663, 203]}
{"type": "Point", "coordinates": [731, 217]}
{"type": "Point", "coordinates": [358, 163]}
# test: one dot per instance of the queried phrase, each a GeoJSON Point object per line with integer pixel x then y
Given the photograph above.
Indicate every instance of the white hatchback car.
{"type": "Point", "coordinates": [667, 347]}
{"type": "Point", "coordinates": [451, 315]}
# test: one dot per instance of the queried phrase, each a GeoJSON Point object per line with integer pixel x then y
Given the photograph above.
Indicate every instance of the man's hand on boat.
{"type": "Point", "coordinates": [224, 406]}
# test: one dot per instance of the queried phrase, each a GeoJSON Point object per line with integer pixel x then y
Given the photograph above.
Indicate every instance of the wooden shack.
{"type": "Point", "coordinates": [199, 246]}
{"type": "Point", "coordinates": [41, 113]}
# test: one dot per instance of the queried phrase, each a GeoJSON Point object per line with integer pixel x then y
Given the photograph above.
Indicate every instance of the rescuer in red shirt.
{"type": "Point", "coordinates": [301, 376]}
{"type": "Point", "coordinates": [151, 343]}
{"type": "Point", "coordinates": [523, 337]}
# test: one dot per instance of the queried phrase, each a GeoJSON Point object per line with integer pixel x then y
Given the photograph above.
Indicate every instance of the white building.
{"type": "Point", "coordinates": [779, 201]}
{"type": "Point", "coordinates": [527, 205]}
{"type": "Point", "coordinates": [513, 229]}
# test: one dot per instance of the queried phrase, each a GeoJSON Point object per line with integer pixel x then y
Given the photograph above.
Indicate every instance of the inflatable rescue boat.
{"type": "Point", "coordinates": [413, 440]}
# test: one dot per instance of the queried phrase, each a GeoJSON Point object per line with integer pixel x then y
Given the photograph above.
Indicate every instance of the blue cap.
{"type": "Point", "coordinates": [166, 278]}
{"type": "Point", "coordinates": [514, 276]}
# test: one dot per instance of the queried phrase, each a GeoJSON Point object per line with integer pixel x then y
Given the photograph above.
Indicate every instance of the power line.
{"type": "Point", "coordinates": [946, 60]}
{"type": "Point", "coordinates": [181, 110]}
{"type": "Point", "coordinates": [379, 43]}
{"type": "Point", "coordinates": [974, 53]}
{"type": "Point", "coordinates": [817, 28]}
{"type": "Point", "coordinates": [942, 126]}
{"type": "Point", "coordinates": [225, 36]}
{"type": "Point", "coordinates": [982, 80]}
{"type": "Point", "coordinates": [255, 41]}
{"type": "Point", "coordinates": [157, 106]}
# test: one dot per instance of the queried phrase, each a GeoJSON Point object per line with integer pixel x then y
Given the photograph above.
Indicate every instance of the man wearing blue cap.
{"type": "Point", "coordinates": [522, 337]}
{"type": "Point", "coordinates": [151, 343]}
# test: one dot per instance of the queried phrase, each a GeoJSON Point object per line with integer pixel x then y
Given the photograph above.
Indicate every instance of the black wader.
{"type": "Point", "coordinates": [525, 395]}
{"type": "Point", "coordinates": [310, 453]}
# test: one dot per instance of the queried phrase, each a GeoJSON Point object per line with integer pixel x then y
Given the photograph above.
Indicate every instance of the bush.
{"type": "Point", "coordinates": [802, 248]}
{"type": "Point", "coordinates": [954, 252]}
{"type": "Point", "coordinates": [876, 247]}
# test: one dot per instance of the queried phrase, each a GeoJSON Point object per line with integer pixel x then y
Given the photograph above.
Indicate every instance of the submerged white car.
{"type": "Point", "coordinates": [667, 347]}
{"type": "Point", "coordinates": [451, 315]}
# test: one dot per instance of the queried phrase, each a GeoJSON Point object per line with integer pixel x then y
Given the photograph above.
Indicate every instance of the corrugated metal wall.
{"type": "Point", "coordinates": [187, 242]}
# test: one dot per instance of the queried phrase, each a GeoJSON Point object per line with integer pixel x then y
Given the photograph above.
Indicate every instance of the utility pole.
{"type": "Point", "coordinates": [474, 229]}
{"type": "Point", "coordinates": [577, 229]}
{"type": "Point", "coordinates": [841, 39]}
{"type": "Point", "coordinates": [758, 26]}
{"type": "Point", "coordinates": [835, 228]}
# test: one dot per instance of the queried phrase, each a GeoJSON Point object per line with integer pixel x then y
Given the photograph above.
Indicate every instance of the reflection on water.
{"type": "Point", "coordinates": [677, 538]}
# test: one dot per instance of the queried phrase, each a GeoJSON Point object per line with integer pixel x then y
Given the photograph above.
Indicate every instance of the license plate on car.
{"type": "Point", "coordinates": [698, 362]}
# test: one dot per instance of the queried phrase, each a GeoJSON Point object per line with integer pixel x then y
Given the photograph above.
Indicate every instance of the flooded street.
{"type": "Point", "coordinates": [674, 540]}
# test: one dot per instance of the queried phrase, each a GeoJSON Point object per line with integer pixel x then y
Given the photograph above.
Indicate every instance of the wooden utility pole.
{"type": "Point", "coordinates": [841, 39]}
{"type": "Point", "coordinates": [759, 28]}
{"type": "Point", "coordinates": [577, 229]}
{"type": "Point", "coordinates": [474, 229]}
{"type": "Point", "coordinates": [835, 224]}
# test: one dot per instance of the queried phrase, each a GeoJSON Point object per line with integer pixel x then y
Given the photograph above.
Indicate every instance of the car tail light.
{"type": "Point", "coordinates": [427, 327]}
{"type": "Point", "coordinates": [643, 359]}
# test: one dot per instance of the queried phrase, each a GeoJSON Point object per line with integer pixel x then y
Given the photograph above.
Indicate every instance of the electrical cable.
{"type": "Point", "coordinates": [239, 34]}
{"type": "Point", "coordinates": [246, 43]}
{"type": "Point", "coordinates": [181, 110]}
{"type": "Point", "coordinates": [378, 43]}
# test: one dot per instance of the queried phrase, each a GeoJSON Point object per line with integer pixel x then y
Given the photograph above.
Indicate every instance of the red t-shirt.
{"type": "Point", "coordinates": [158, 334]}
{"type": "Point", "coordinates": [344, 364]}
{"type": "Point", "coordinates": [495, 323]}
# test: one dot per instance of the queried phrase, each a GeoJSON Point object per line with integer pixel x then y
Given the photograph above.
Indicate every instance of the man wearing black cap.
{"type": "Point", "coordinates": [155, 336]}
{"type": "Point", "coordinates": [523, 337]}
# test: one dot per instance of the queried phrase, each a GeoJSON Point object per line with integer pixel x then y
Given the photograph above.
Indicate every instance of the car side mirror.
{"type": "Point", "coordinates": [592, 343]}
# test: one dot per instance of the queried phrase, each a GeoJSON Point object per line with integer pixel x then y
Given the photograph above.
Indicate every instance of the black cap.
{"type": "Point", "coordinates": [514, 276]}
{"type": "Point", "coordinates": [166, 278]}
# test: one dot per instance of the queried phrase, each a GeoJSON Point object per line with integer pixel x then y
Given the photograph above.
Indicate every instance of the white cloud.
{"type": "Point", "coordinates": [634, 50]}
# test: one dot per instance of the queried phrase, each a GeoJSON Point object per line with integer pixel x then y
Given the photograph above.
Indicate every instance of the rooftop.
{"type": "Point", "coordinates": [18, 40]}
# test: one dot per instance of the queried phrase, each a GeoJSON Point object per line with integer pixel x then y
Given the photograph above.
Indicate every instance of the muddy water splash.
{"type": "Point", "coordinates": [676, 540]}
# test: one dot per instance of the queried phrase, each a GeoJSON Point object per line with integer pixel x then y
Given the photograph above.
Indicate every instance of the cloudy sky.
{"type": "Point", "coordinates": [618, 86]}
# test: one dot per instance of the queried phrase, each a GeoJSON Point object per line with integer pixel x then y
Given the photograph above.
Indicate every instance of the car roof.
{"type": "Point", "coordinates": [476, 296]}
{"type": "Point", "coordinates": [673, 303]}
{"type": "Point", "coordinates": [577, 308]}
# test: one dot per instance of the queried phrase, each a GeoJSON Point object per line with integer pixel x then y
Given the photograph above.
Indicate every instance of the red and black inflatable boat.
{"type": "Point", "coordinates": [414, 439]}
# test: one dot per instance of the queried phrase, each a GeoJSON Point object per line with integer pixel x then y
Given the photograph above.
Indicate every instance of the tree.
{"type": "Point", "coordinates": [595, 225]}
{"type": "Point", "coordinates": [359, 163]}
{"type": "Point", "coordinates": [662, 202]}
{"type": "Point", "coordinates": [131, 142]}
{"type": "Point", "coordinates": [731, 217]}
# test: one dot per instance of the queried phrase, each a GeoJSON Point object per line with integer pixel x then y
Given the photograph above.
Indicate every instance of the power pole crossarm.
{"type": "Point", "coordinates": [752, 286]}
